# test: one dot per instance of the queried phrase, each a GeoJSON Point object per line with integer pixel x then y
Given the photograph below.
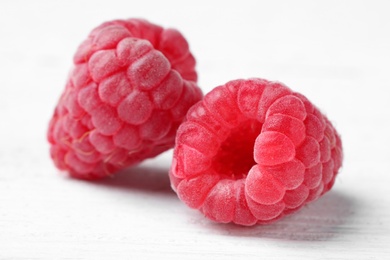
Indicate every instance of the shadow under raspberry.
{"type": "Point", "coordinates": [324, 219]}
{"type": "Point", "coordinates": [140, 178]}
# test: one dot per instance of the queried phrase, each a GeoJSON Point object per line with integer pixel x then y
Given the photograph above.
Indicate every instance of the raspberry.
{"type": "Point", "coordinates": [253, 151]}
{"type": "Point", "coordinates": [130, 88]}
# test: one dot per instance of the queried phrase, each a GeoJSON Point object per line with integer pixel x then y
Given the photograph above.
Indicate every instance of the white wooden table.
{"type": "Point", "coordinates": [337, 53]}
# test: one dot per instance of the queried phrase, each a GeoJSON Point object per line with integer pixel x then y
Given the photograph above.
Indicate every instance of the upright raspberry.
{"type": "Point", "coordinates": [253, 151]}
{"type": "Point", "coordinates": [131, 86]}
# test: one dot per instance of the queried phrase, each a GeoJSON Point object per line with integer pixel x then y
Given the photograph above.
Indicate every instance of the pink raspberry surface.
{"type": "Point", "coordinates": [130, 88]}
{"type": "Point", "coordinates": [253, 151]}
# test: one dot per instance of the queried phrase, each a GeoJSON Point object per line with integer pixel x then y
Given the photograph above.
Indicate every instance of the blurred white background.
{"type": "Point", "coordinates": [337, 53]}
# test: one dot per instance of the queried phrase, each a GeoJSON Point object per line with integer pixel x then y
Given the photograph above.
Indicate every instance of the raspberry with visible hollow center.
{"type": "Point", "coordinates": [130, 88]}
{"type": "Point", "coordinates": [253, 151]}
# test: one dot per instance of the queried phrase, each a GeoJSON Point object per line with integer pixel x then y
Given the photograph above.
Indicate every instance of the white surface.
{"type": "Point", "coordinates": [335, 52]}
